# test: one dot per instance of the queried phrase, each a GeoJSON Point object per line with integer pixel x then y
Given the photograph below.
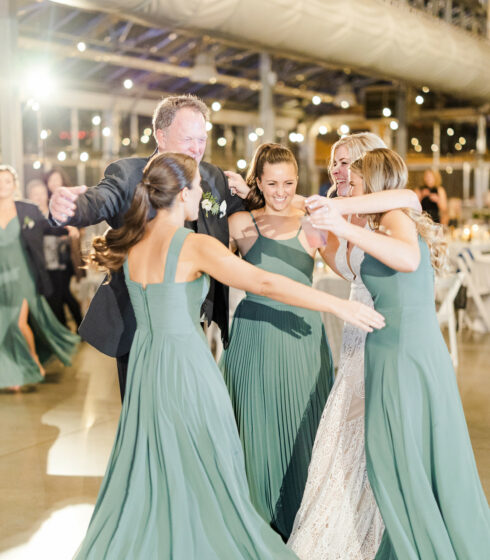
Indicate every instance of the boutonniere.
{"type": "Point", "coordinates": [29, 223]}
{"type": "Point", "coordinates": [209, 204]}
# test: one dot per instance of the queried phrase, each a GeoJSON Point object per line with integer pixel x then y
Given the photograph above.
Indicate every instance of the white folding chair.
{"type": "Point", "coordinates": [465, 264]}
{"type": "Point", "coordinates": [446, 314]}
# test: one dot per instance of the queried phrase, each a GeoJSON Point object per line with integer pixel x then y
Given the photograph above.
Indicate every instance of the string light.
{"type": "Point", "coordinates": [216, 106]}
{"type": "Point", "coordinates": [253, 137]}
{"type": "Point", "coordinates": [241, 164]}
{"type": "Point", "coordinates": [386, 112]}
{"type": "Point", "coordinates": [221, 141]}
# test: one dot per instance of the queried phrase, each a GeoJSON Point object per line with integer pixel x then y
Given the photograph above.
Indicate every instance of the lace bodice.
{"type": "Point", "coordinates": [349, 266]}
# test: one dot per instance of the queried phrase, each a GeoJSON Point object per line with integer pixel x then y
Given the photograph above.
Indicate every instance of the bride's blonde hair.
{"type": "Point", "coordinates": [383, 169]}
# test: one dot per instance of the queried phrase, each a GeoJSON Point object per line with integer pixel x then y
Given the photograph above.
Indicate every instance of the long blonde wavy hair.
{"type": "Point", "coordinates": [383, 169]}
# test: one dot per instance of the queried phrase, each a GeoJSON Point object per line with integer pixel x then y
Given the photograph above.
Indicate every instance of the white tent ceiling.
{"type": "Point", "coordinates": [367, 35]}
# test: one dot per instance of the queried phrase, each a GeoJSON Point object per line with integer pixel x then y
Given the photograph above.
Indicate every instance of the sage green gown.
{"type": "Point", "coordinates": [279, 372]}
{"type": "Point", "coordinates": [175, 486]}
{"type": "Point", "coordinates": [16, 285]}
{"type": "Point", "coordinates": [420, 461]}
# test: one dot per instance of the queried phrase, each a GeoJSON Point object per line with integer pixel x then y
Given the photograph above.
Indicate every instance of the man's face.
{"type": "Point", "coordinates": [186, 135]}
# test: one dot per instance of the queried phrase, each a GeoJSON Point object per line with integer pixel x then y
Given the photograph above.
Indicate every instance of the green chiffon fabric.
{"type": "Point", "coordinates": [16, 285]}
{"type": "Point", "coordinates": [279, 372]}
{"type": "Point", "coordinates": [420, 461]}
{"type": "Point", "coordinates": [175, 486]}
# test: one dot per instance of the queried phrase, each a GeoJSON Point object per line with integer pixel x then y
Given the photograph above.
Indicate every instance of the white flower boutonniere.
{"type": "Point", "coordinates": [222, 209]}
{"type": "Point", "coordinates": [29, 223]}
{"type": "Point", "coordinates": [209, 204]}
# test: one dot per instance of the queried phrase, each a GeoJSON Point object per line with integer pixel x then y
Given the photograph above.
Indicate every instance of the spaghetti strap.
{"type": "Point", "coordinates": [299, 230]}
{"type": "Point", "coordinates": [255, 224]}
{"type": "Point", "coordinates": [173, 254]}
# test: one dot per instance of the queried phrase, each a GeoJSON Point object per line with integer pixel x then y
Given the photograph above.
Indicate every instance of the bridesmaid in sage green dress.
{"type": "Point", "coordinates": [278, 366]}
{"type": "Point", "coordinates": [175, 486]}
{"type": "Point", "coordinates": [29, 331]}
{"type": "Point", "coordinates": [419, 457]}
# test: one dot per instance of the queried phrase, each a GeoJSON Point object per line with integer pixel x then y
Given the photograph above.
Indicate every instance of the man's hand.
{"type": "Point", "coordinates": [63, 202]}
{"type": "Point", "coordinates": [237, 184]}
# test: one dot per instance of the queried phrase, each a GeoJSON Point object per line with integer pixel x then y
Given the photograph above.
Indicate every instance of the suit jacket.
{"type": "Point", "coordinates": [33, 227]}
{"type": "Point", "coordinates": [109, 323]}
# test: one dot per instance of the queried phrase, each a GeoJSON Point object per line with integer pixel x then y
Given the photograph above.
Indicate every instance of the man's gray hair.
{"type": "Point", "coordinates": [167, 108]}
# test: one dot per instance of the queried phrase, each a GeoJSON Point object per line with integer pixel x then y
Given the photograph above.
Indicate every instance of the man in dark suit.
{"type": "Point", "coordinates": [179, 125]}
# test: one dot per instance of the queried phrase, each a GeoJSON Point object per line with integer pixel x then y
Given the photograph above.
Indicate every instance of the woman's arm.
{"type": "Point", "coordinates": [399, 249]}
{"type": "Point", "coordinates": [373, 203]}
{"type": "Point", "coordinates": [210, 256]}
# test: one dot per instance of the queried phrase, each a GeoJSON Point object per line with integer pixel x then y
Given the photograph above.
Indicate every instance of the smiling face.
{"type": "Point", "coordinates": [278, 185]}
{"type": "Point", "coordinates": [340, 170]}
{"type": "Point", "coordinates": [192, 198]}
{"type": "Point", "coordinates": [356, 184]}
{"type": "Point", "coordinates": [7, 185]}
{"type": "Point", "coordinates": [186, 135]}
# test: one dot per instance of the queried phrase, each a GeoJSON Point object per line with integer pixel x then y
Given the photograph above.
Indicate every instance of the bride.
{"type": "Point", "coordinates": [338, 518]}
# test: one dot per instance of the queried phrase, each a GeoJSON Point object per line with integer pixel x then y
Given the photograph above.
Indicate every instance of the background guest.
{"type": "Point", "coordinates": [433, 197]}
{"type": "Point", "coordinates": [29, 332]}
{"type": "Point", "coordinates": [62, 252]}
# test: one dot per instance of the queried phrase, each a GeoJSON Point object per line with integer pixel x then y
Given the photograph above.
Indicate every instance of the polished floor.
{"type": "Point", "coordinates": [55, 442]}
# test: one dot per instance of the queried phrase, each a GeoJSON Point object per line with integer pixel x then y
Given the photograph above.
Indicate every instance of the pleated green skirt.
{"type": "Point", "coordinates": [279, 372]}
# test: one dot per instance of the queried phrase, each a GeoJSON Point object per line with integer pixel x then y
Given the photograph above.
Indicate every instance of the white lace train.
{"type": "Point", "coordinates": [338, 518]}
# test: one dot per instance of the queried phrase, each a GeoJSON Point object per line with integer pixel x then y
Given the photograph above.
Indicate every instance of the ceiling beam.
{"type": "Point", "coordinates": [99, 56]}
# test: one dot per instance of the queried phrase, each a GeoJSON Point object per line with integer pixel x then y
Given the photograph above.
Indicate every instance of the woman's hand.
{"type": "Point", "coordinates": [328, 218]}
{"type": "Point", "coordinates": [237, 184]}
{"type": "Point", "coordinates": [317, 201]}
{"type": "Point", "coordinates": [359, 315]}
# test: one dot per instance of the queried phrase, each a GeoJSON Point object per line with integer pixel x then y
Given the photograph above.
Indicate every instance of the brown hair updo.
{"type": "Point", "coordinates": [265, 153]}
{"type": "Point", "coordinates": [164, 176]}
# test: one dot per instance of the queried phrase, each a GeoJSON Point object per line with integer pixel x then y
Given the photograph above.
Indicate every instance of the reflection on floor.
{"type": "Point", "coordinates": [55, 442]}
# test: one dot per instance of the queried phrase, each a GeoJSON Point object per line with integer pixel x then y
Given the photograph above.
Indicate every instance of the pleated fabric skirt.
{"type": "Point", "coordinates": [175, 486]}
{"type": "Point", "coordinates": [420, 461]}
{"type": "Point", "coordinates": [279, 372]}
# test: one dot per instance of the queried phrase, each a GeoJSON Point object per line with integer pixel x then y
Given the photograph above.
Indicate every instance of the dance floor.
{"type": "Point", "coordinates": [55, 442]}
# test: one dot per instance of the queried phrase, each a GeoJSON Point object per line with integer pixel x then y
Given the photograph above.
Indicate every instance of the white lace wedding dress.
{"type": "Point", "coordinates": [338, 518]}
